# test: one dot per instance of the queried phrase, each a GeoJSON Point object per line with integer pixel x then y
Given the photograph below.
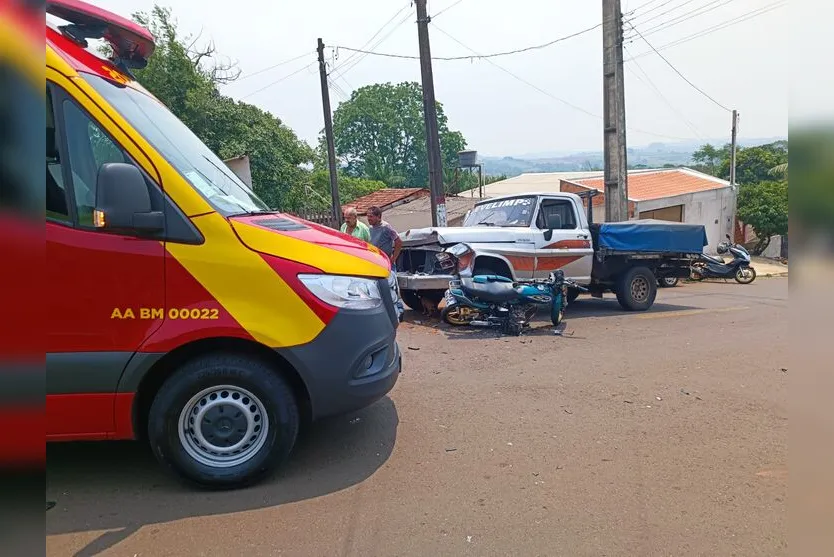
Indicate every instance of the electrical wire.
{"type": "Point", "coordinates": [650, 10]}
{"type": "Point", "coordinates": [678, 71]}
{"type": "Point", "coordinates": [545, 92]}
{"type": "Point", "coordinates": [691, 15]}
{"type": "Point", "coordinates": [277, 81]}
{"type": "Point", "coordinates": [446, 9]}
{"type": "Point", "coordinates": [479, 56]}
{"type": "Point", "coordinates": [679, 6]}
{"type": "Point", "coordinates": [718, 27]}
{"type": "Point", "coordinates": [272, 67]}
{"type": "Point", "coordinates": [649, 83]}
{"type": "Point", "coordinates": [355, 58]}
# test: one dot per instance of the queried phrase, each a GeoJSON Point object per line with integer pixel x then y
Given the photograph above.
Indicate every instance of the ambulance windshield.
{"type": "Point", "coordinates": [180, 147]}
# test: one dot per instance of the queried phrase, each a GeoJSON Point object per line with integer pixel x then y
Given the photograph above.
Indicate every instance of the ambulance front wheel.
{"type": "Point", "coordinates": [223, 421]}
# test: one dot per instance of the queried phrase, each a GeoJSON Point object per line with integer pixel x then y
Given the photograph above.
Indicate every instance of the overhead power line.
{"type": "Point", "coordinates": [642, 12]}
{"type": "Point", "coordinates": [447, 8]}
{"type": "Point", "coordinates": [272, 67]}
{"type": "Point", "coordinates": [692, 14]}
{"type": "Point", "coordinates": [649, 83]}
{"type": "Point", "coordinates": [679, 72]}
{"type": "Point", "coordinates": [476, 56]}
{"type": "Point", "coordinates": [661, 14]}
{"type": "Point", "coordinates": [547, 93]}
{"type": "Point", "coordinates": [277, 81]}
{"type": "Point", "coordinates": [355, 58]}
{"type": "Point", "coordinates": [718, 27]}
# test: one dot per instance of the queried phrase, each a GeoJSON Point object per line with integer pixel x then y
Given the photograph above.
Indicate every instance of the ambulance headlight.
{"type": "Point", "coordinates": [343, 292]}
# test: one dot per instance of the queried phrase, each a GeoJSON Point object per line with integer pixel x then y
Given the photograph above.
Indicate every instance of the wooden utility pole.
{"type": "Point", "coordinates": [733, 141]}
{"type": "Point", "coordinates": [614, 130]}
{"type": "Point", "coordinates": [336, 207]}
{"type": "Point", "coordinates": [438, 196]}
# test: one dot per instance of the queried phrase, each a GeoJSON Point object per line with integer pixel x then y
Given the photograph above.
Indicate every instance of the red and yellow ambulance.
{"type": "Point", "coordinates": [182, 310]}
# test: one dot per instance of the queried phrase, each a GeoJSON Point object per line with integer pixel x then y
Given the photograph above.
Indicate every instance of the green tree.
{"type": "Point", "coordinates": [755, 164]}
{"type": "Point", "coordinates": [186, 77]}
{"type": "Point", "coordinates": [710, 158]}
{"type": "Point", "coordinates": [764, 206]}
{"type": "Point", "coordinates": [380, 135]}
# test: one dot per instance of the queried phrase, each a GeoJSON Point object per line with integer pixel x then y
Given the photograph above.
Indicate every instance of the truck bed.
{"type": "Point", "coordinates": [648, 237]}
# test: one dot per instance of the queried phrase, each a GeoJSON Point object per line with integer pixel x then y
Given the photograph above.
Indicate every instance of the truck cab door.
{"type": "Point", "coordinates": [106, 290]}
{"type": "Point", "coordinates": [561, 242]}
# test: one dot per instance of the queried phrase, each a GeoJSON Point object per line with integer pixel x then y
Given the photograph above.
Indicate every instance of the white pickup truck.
{"type": "Point", "coordinates": [529, 235]}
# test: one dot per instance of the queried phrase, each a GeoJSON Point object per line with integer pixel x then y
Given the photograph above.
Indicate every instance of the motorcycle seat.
{"type": "Point", "coordinates": [489, 291]}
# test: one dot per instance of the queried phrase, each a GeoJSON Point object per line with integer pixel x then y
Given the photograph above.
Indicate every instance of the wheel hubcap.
{"type": "Point", "coordinates": [639, 289]}
{"type": "Point", "coordinates": [223, 426]}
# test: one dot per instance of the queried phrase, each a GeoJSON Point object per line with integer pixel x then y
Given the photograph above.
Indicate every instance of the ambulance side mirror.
{"type": "Point", "coordinates": [123, 201]}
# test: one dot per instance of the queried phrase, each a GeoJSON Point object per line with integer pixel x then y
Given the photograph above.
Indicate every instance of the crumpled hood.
{"type": "Point", "coordinates": [292, 238]}
{"type": "Point", "coordinates": [455, 234]}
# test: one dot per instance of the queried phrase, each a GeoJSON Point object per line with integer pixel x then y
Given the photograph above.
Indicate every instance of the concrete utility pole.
{"type": "Point", "coordinates": [614, 130]}
{"type": "Point", "coordinates": [438, 196]}
{"type": "Point", "coordinates": [733, 141]}
{"type": "Point", "coordinates": [336, 208]}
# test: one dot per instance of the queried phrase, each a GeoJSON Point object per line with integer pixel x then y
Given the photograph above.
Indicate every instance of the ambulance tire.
{"type": "Point", "coordinates": [207, 386]}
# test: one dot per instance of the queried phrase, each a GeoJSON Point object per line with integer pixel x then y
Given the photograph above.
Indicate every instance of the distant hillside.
{"type": "Point", "coordinates": [655, 155]}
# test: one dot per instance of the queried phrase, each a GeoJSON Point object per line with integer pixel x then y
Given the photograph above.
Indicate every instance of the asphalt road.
{"type": "Point", "coordinates": [659, 433]}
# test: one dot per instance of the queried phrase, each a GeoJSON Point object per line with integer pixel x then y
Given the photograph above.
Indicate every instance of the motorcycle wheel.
{"type": "Point", "coordinates": [745, 275]}
{"type": "Point", "coordinates": [696, 272]}
{"type": "Point", "coordinates": [558, 318]}
{"type": "Point", "coordinates": [668, 282]}
{"type": "Point", "coordinates": [456, 316]}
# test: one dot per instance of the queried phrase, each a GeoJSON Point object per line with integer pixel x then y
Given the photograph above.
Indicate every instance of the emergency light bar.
{"type": "Point", "coordinates": [132, 44]}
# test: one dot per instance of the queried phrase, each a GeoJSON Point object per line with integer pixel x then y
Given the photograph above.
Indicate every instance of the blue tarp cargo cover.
{"type": "Point", "coordinates": [653, 236]}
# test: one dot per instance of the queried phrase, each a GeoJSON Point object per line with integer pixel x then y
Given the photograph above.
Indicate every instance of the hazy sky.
{"type": "Point", "coordinates": [742, 66]}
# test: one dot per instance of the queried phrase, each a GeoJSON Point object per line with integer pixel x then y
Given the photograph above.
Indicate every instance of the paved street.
{"type": "Point", "coordinates": [660, 433]}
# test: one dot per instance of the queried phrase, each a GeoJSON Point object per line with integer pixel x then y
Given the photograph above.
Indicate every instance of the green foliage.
{"type": "Point", "coordinates": [710, 158]}
{"type": "Point", "coordinates": [496, 178]}
{"type": "Point", "coordinates": [755, 164]}
{"type": "Point", "coordinates": [380, 135]}
{"type": "Point", "coordinates": [176, 75]}
{"type": "Point", "coordinates": [764, 206]}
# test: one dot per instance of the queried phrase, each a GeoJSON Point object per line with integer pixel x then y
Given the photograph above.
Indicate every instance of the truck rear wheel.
{"type": "Point", "coordinates": [223, 421]}
{"type": "Point", "coordinates": [637, 289]}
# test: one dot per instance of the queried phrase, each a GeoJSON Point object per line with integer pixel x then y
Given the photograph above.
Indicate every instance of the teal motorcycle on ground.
{"type": "Point", "coordinates": [500, 302]}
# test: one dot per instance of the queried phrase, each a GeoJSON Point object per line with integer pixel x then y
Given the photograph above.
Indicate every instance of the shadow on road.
{"type": "Point", "coordinates": [120, 487]}
{"type": "Point", "coordinates": [585, 306]}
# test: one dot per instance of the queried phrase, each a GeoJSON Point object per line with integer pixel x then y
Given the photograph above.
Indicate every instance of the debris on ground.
{"type": "Point", "coordinates": [355, 420]}
{"type": "Point", "coordinates": [567, 411]}
{"type": "Point", "coordinates": [413, 348]}
{"type": "Point", "coordinates": [509, 444]}
{"type": "Point", "coordinates": [628, 401]}
{"type": "Point", "coordinates": [451, 450]}
{"type": "Point", "coordinates": [658, 398]}
{"type": "Point", "coordinates": [684, 392]}
{"type": "Point", "coordinates": [468, 539]}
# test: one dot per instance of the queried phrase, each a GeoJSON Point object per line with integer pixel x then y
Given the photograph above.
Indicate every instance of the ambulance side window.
{"type": "Point", "coordinates": [88, 148]}
{"type": "Point", "coordinates": [57, 206]}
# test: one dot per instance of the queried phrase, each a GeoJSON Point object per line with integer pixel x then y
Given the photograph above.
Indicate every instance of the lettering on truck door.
{"type": "Point", "coordinates": [562, 241]}
{"type": "Point", "coordinates": [106, 290]}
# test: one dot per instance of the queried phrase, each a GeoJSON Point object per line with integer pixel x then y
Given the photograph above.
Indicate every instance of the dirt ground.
{"type": "Point", "coordinates": [659, 433]}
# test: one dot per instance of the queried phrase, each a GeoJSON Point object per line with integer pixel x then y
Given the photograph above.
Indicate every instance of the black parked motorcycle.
{"type": "Point", "coordinates": [739, 268]}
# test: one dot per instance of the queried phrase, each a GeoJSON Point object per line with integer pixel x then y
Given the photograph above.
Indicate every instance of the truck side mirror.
{"type": "Point", "coordinates": [123, 201]}
{"type": "Point", "coordinates": [548, 234]}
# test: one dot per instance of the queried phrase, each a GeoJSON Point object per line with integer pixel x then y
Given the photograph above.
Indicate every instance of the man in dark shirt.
{"type": "Point", "coordinates": [383, 236]}
{"type": "Point", "coordinates": [386, 239]}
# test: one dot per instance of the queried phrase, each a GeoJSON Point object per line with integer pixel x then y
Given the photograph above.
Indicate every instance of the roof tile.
{"type": "Point", "coordinates": [385, 197]}
{"type": "Point", "coordinates": [644, 186]}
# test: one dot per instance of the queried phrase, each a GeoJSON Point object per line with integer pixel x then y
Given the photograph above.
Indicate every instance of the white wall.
{"type": "Point", "coordinates": [715, 209]}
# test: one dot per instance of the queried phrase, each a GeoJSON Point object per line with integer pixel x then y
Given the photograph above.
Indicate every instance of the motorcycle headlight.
{"type": "Point", "coordinates": [343, 292]}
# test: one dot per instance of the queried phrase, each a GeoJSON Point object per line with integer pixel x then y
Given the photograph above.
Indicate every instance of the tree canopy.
{"type": "Point", "coordinates": [764, 206]}
{"type": "Point", "coordinates": [380, 135]}
{"type": "Point", "coordinates": [186, 78]}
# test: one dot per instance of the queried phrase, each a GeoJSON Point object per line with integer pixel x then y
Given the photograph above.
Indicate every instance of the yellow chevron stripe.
{"type": "Point", "coordinates": [320, 256]}
{"type": "Point", "coordinates": [247, 287]}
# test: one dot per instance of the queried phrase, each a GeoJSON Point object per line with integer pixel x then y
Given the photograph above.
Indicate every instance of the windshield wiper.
{"type": "Point", "coordinates": [485, 223]}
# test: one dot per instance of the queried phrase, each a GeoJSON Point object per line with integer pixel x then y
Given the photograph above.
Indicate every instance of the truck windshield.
{"type": "Point", "coordinates": [173, 140]}
{"type": "Point", "coordinates": [507, 212]}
